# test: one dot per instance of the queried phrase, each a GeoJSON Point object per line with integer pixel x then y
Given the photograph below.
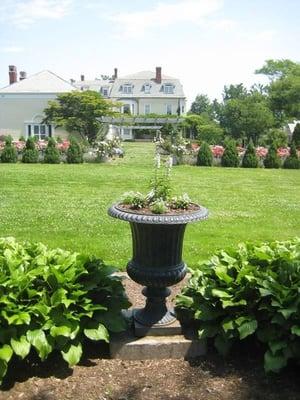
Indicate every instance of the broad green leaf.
{"type": "Point", "coordinates": [274, 363]}
{"type": "Point", "coordinates": [295, 330]}
{"type": "Point", "coordinates": [3, 369]}
{"type": "Point", "coordinates": [277, 345]}
{"type": "Point", "coordinates": [21, 347]}
{"type": "Point", "coordinates": [72, 354]}
{"type": "Point", "coordinates": [6, 353]}
{"type": "Point", "coordinates": [208, 331]}
{"type": "Point", "coordinates": [38, 340]}
{"type": "Point", "coordinates": [184, 301]}
{"type": "Point", "coordinates": [99, 333]}
{"type": "Point", "coordinates": [232, 303]}
{"type": "Point", "coordinates": [221, 272]}
{"type": "Point", "coordinates": [247, 328]}
{"type": "Point", "coordinates": [220, 293]}
{"type": "Point", "coordinates": [17, 319]}
{"type": "Point", "coordinates": [228, 325]}
{"type": "Point", "coordinates": [60, 331]}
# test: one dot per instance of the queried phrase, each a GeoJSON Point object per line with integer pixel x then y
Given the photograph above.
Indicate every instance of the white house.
{"type": "Point", "coordinates": [22, 104]}
{"type": "Point", "coordinates": [142, 93]}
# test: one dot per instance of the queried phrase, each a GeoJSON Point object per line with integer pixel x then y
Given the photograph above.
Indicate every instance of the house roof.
{"type": "Point", "coordinates": [41, 82]}
{"type": "Point", "coordinates": [139, 79]}
{"type": "Point", "coordinates": [292, 125]}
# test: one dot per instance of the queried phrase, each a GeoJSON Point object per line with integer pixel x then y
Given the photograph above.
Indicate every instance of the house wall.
{"type": "Point", "coordinates": [157, 105]}
{"type": "Point", "coordinates": [17, 109]}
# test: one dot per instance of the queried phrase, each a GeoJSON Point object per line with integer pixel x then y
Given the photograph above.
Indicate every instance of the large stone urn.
{"type": "Point", "coordinates": [156, 263]}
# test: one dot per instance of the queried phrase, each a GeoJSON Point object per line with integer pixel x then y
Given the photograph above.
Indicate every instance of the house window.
{"type": "Point", "coordinates": [104, 91]}
{"type": "Point", "coordinates": [147, 88]}
{"type": "Point", "coordinates": [169, 109]}
{"type": "Point", "coordinates": [127, 88]}
{"type": "Point", "coordinates": [168, 88]}
{"type": "Point", "coordinates": [126, 109]}
{"type": "Point", "coordinates": [147, 109]}
{"type": "Point", "coordinates": [40, 131]}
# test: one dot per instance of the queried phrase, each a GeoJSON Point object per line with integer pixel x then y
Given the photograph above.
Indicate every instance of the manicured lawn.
{"type": "Point", "coordinates": [65, 205]}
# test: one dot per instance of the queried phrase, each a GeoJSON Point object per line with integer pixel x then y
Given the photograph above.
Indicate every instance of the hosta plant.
{"type": "Point", "coordinates": [53, 300]}
{"type": "Point", "coordinates": [251, 291]}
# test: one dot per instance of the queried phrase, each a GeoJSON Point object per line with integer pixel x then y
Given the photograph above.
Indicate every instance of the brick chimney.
{"type": "Point", "coordinates": [82, 78]}
{"type": "Point", "coordinates": [115, 73]}
{"type": "Point", "coordinates": [23, 75]}
{"type": "Point", "coordinates": [12, 72]}
{"type": "Point", "coordinates": [158, 75]}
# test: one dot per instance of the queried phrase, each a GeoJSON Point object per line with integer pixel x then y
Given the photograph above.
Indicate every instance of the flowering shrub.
{"type": "Point", "coordinates": [217, 151]}
{"type": "Point", "coordinates": [109, 148]}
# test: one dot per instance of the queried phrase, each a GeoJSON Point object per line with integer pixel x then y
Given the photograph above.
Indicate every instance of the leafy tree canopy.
{"type": "Point", "coordinates": [78, 112]}
{"type": "Point", "coordinates": [275, 69]}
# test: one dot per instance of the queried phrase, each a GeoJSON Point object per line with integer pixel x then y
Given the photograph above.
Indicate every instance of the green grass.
{"type": "Point", "coordinates": [66, 205]}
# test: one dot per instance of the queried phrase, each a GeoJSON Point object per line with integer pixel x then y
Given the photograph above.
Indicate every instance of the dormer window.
{"type": "Point", "coordinates": [104, 91]}
{"type": "Point", "coordinates": [127, 88]}
{"type": "Point", "coordinates": [147, 88]}
{"type": "Point", "coordinates": [168, 88]}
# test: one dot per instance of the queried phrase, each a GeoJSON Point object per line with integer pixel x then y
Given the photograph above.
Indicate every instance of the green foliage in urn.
{"type": "Point", "coordinates": [74, 152]}
{"type": "Point", "coordinates": [230, 156]}
{"type": "Point", "coordinates": [52, 155]}
{"type": "Point", "coordinates": [250, 159]}
{"type": "Point", "coordinates": [9, 153]}
{"type": "Point", "coordinates": [30, 154]}
{"type": "Point", "coordinates": [272, 159]}
{"type": "Point", "coordinates": [251, 291]}
{"type": "Point", "coordinates": [292, 161]}
{"type": "Point", "coordinates": [204, 157]}
{"type": "Point", "coordinates": [53, 300]}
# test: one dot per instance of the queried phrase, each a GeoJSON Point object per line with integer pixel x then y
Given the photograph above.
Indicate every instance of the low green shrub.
{"type": "Point", "coordinates": [205, 157]}
{"type": "Point", "coordinates": [9, 153]}
{"type": "Point", "coordinates": [292, 161]}
{"type": "Point", "coordinates": [74, 152]}
{"type": "Point", "coordinates": [272, 159]}
{"type": "Point", "coordinates": [230, 157]}
{"type": "Point", "coordinates": [250, 159]}
{"type": "Point", "coordinates": [251, 291]}
{"type": "Point", "coordinates": [30, 153]}
{"type": "Point", "coordinates": [53, 299]}
{"type": "Point", "coordinates": [52, 155]}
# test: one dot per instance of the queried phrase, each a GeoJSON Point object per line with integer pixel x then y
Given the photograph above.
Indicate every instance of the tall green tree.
{"type": "Point", "coordinates": [78, 111]}
{"type": "Point", "coordinates": [203, 128]}
{"type": "Point", "coordinates": [202, 105]}
{"type": "Point", "coordinates": [246, 116]}
{"type": "Point", "coordinates": [284, 88]}
{"type": "Point", "coordinates": [296, 135]}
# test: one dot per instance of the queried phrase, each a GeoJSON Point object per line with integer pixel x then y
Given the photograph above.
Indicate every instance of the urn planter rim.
{"type": "Point", "coordinates": [116, 211]}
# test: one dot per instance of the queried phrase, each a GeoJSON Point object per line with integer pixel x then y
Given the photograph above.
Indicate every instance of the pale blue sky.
{"type": "Point", "coordinates": [205, 43]}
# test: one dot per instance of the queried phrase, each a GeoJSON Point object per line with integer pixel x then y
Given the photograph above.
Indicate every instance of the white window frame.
{"type": "Point", "coordinates": [147, 88]}
{"type": "Point", "coordinates": [36, 130]}
{"type": "Point", "coordinates": [169, 109]}
{"type": "Point", "coordinates": [147, 109]}
{"type": "Point", "coordinates": [168, 88]}
{"type": "Point", "coordinates": [127, 88]}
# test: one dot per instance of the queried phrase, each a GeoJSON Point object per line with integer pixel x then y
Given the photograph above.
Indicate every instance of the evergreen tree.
{"type": "Point", "coordinates": [30, 154]}
{"type": "Point", "coordinates": [9, 153]}
{"type": "Point", "coordinates": [250, 159]}
{"type": "Point", "coordinates": [205, 157]}
{"type": "Point", "coordinates": [296, 135]}
{"type": "Point", "coordinates": [230, 156]}
{"type": "Point", "coordinates": [272, 160]}
{"type": "Point", "coordinates": [74, 153]}
{"type": "Point", "coordinates": [292, 161]}
{"type": "Point", "coordinates": [52, 155]}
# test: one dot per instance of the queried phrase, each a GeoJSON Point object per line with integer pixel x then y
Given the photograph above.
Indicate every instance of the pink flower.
{"type": "Point", "coordinates": [217, 151]}
{"type": "Point", "coordinates": [283, 152]}
{"type": "Point", "coordinates": [261, 151]}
